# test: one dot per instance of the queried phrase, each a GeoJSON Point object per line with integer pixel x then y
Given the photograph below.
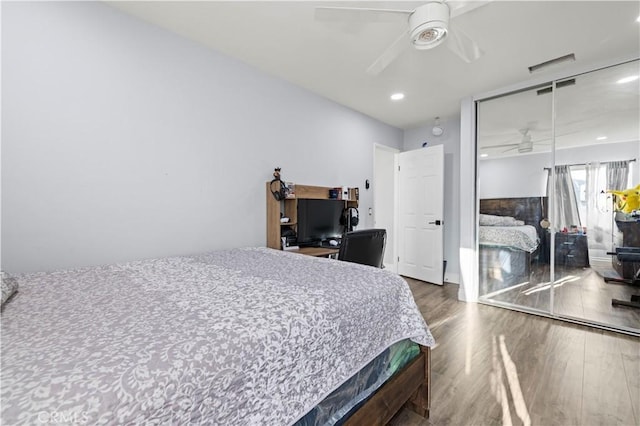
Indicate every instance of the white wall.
{"type": "Point", "coordinates": [123, 141]}
{"type": "Point", "coordinates": [384, 212]}
{"type": "Point", "coordinates": [468, 252]}
{"type": "Point", "coordinates": [450, 139]}
{"type": "Point", "coordinates": [526, 174]}
{"type": "Point", "coordinates": [513, 176]}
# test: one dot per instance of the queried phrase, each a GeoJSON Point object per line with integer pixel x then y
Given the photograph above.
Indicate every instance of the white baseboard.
{"type": "Point", "coordinates": [452, 277]}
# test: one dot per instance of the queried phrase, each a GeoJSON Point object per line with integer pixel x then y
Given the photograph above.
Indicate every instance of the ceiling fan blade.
{"type": "Point", "coordinates": [463, 45]}
{"type": "Point", "coordinates": [390, 53]}
{"type": "Point", "coordinates": [356, 14]}
{"type": "Point", "coordinates": [548, 139]}
{"type": "Point", "coordinates": [511, 149]}
{"type": "Point", "coordinates": [500, 146]}
{"type": "Point", "coordinates": [458, 8]}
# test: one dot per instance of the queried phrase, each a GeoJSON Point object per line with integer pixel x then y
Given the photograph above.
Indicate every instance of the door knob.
{"type": "Point", "coordinates": [437, 222]}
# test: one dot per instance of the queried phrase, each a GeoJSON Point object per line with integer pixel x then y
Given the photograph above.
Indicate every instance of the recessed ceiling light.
{"type": "Point", "coordinates": [484, 155]}
{"type": "Point", "coordinates": [397, 96]}
{"type": "Point", "coordinates": [627, 79]}
{"type": "Point", "coordinates": [601, 138]}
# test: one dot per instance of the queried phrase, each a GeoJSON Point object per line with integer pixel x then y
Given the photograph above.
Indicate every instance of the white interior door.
{"type": "Point", "coordinates": [420, 213]}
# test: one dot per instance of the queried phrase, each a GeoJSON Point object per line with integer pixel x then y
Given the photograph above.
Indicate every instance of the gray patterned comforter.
{"type": "Point", "coordinates": [524, 237]}
{"type": "Point", "coordinates": [245, 336]}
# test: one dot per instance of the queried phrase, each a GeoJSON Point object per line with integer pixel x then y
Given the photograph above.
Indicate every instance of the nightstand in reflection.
{"type": "Point", "coordinates": [571, 250]}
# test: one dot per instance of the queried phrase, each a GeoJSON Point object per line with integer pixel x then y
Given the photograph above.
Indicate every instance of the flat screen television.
{"type": "Point", "coordinates": [319, 220]}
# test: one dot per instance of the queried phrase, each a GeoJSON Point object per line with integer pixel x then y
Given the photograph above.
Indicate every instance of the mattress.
{"type": "Point", "coordinates": [335, 408]}
{"type": "Point", "coordinates": [244, 336]}
{"type": "Point", "coordinates": [524, 237]}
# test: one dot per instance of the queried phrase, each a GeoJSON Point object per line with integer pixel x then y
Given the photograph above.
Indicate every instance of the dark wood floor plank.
{"type": "Point", "coordinates": [580, 293]}
{"type": "Point", "coordinates": [630, 354]}
{"type": "Point", "coordinates": [605, 381]}
{"type": "Point", "coordinates": [493, 366]}
{"type": "Point", "coordinates": [558, 393]}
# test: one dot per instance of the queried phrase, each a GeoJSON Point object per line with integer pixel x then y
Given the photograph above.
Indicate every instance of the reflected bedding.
{"type": "Point", "coordinates": [524, 237]}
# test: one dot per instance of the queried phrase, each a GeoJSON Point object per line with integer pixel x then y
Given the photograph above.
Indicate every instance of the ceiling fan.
{"type": "Point", "coordinates": [428, 26]}
{"type": "Point", "coordinates": [525, 145]}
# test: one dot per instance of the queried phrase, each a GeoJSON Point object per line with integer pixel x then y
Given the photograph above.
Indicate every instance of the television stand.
{"type": "Point", "coordinates": [288, 207]}
{"type": "Point", "coordinates": [320, 244]}
{"type": "Point", "coordinates": [316, 251]}
{"type": "Point", "coordinates": [325, 244]}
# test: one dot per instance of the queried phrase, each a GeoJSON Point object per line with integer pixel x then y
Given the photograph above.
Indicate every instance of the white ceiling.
{"type": "Point", "coordinates": [596, 109]}
{"type": "Point", "coordinates": [330, 59]}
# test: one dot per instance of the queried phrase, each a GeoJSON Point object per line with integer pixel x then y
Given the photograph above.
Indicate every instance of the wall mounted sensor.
{"type": "Point", "coordinates": [437, 129]}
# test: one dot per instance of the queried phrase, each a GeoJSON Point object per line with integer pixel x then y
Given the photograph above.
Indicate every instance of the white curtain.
{"type": "Point", "coordinates": [599, 210]}
{"type": "Point", "coordinates": [617, 175]}
{"type": "Point", "coordinates": [599, 221]}
{"type": "Point", "coordinates": [566, 203]}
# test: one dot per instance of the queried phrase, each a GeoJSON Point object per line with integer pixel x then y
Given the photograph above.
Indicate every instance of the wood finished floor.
{"type": "Point", "coordinates": [579, 293]}
{"type": "Point", "coordinates": [493, 366]}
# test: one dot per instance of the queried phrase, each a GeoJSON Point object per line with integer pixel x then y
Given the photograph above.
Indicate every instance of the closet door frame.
{"type": "Point", "coordinates": [469, 202]}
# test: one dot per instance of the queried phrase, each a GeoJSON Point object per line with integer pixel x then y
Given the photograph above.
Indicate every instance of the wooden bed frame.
{"type": "Point", "coordinates": [531, 210]}
{"type": "Point", "coordinates": [410, 388]}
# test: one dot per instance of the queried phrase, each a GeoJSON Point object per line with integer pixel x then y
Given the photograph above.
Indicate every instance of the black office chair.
{"type": "Point", "coordinates": [365, 247]}
{"type": "Point", "coordinates": [627, 254]}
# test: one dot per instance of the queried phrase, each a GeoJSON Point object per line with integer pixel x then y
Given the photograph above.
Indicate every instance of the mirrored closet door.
{"type": "Point", "coordinates": [515, 147]}
{"type": "Point", "coordinates": [556, 158]}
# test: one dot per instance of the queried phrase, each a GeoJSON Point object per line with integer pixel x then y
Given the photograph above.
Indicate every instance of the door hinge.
{"type": "Point", "coordinates": [398, 259]}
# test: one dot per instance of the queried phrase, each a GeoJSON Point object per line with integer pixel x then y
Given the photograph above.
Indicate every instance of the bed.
{"type": "Point", "coordinates": [243, 336]}
{"type": "Point", "coordinates": [509, 237]}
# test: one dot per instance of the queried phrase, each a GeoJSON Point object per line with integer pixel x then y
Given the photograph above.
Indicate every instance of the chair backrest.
{"type": "Point", "coordinates": [365, 247]}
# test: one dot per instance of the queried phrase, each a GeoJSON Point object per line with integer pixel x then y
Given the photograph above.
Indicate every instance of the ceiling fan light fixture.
{"type": "Point", "coordinates": [428, 38]}
{"type": "Point", "coordinates": [429, 25]}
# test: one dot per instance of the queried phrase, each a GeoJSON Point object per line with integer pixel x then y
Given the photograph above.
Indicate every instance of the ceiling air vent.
{"type": "Point", "coordinates": [566, 58]}
{"type": "Point", "coordinates": [559, 84]}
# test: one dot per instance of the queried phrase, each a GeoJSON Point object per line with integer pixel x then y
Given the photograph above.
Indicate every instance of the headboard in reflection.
{"type": "Point", "coordinates": [531, 210]}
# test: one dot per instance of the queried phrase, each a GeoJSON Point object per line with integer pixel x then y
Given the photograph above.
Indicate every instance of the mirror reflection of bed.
{"type": "Point", "coordinates": [511, 244]}
{"type": "Point", "coordinates": [514, 264]}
